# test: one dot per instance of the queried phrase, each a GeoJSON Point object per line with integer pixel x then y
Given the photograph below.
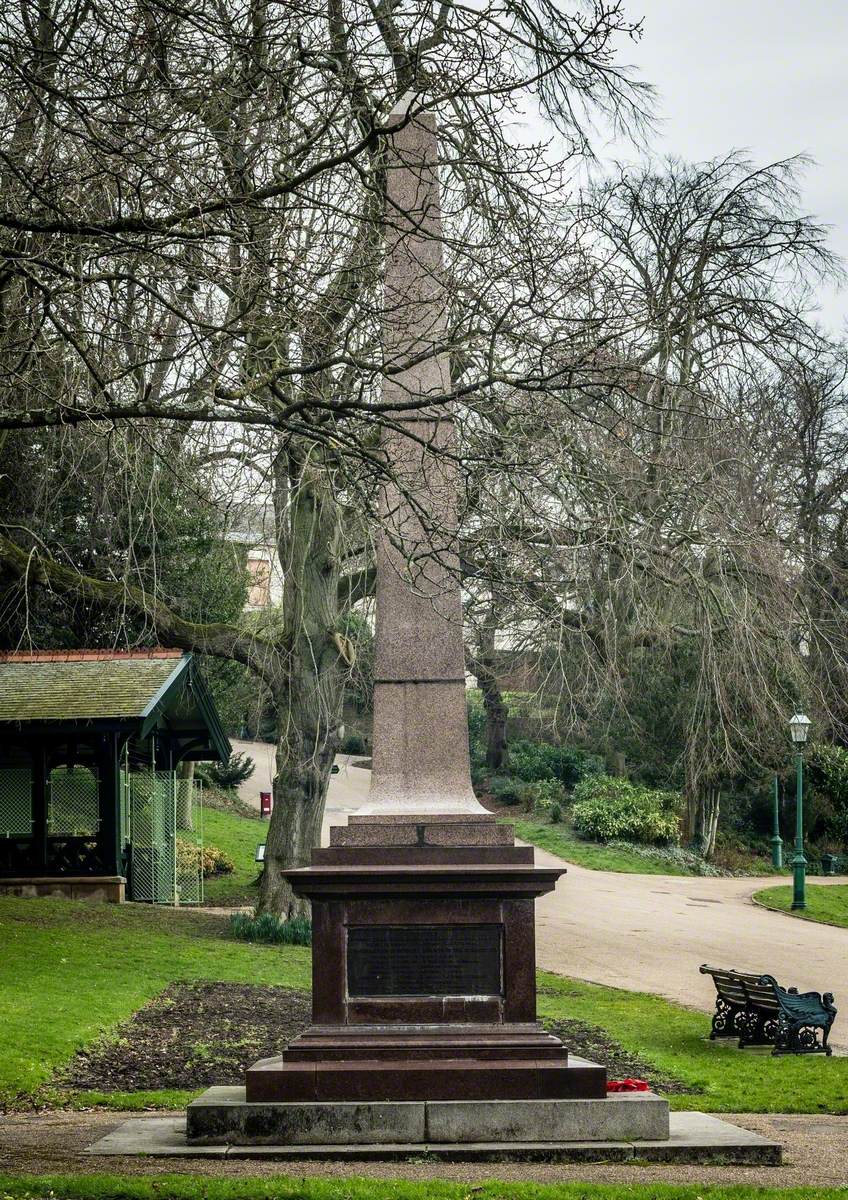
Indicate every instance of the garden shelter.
{"type": "Point", "coordinates": [93, 799]}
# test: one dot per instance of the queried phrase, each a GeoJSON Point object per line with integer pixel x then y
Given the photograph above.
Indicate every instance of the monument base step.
{"type": "Point", "coordinates": [222, 1114]}
{"type": "Point", "coordinates": [365, 1064]}
{"type": "Point", "coordinates": [694, 1138]}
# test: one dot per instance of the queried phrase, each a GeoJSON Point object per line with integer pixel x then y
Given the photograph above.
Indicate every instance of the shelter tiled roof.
{"type": "Point", "coordinates": [83, 684]}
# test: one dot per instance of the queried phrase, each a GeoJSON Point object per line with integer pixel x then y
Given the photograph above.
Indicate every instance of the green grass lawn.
{"type": "Point", "coordinates": [71, 971]}
{"type": "Point", "coordinates": [281, 1187]}
{"type": "Point", "coordinates": [560, 839]}
{"type": "Point", "coordinates": [825, 903]}
{"type": "Point", "coordinates": [238, 837]}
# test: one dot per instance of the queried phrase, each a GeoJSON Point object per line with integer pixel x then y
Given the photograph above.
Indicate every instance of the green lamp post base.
{"type": "Point", "coordinates": [799, 883]}
{"type": "Point", "coordinates": [776, 851]}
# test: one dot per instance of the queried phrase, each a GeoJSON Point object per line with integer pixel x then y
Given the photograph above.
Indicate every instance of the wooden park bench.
{"type": "Point", "coordinates": [755, 1009]}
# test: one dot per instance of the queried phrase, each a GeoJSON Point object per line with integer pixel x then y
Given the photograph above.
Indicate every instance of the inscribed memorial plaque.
{"type": "Point", "coordinates": [424, 960]}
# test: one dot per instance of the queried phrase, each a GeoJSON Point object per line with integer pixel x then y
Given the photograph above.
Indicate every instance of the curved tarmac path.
{"type": "Point", "coordinates": [650, 933]}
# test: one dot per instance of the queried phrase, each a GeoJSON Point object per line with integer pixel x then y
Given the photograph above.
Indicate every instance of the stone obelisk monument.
{"type": "Point", "coordinates": [423, 979]}
{"type": "Point", "coordinates": [422, 906]}
{"type": "Point", "coordinates": [421, 761]}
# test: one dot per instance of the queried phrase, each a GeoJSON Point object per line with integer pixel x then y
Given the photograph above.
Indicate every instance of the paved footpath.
{"type": "Point", "coordinates": [650, 933]}
{"type": "Point", "coordinates": [815, 1155]}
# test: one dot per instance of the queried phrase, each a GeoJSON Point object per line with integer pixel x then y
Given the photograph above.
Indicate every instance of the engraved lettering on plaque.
{"type": "Point", "coordinates": [424, 960]}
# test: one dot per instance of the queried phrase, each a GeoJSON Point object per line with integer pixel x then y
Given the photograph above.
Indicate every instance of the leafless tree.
{"type": "Point", "coordinates": [633, 515]}
{"type": "Point", "coordinates": [192, 234]}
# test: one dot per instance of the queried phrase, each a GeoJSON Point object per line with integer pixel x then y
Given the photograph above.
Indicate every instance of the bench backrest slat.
{"type": "Point", "coordinates": [732, 986]}
{"type": "Point", "coordinates": [762, 997]}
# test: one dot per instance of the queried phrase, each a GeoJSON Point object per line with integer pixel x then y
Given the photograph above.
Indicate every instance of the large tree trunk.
{"type": "Point", "coordinates": [497, 712]}
{"type": "Point", "coordinates": [496, 719]}
{"type": "Point", "coordinates": [309, 698]}
{"type": "Point", "coordinates": [703, 805]}
{"type": "Point", "coordinates": [494, 705]}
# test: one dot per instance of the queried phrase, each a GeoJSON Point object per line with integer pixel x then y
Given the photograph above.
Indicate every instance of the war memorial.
{"type": "Point", "coordinates": [424, 1033]}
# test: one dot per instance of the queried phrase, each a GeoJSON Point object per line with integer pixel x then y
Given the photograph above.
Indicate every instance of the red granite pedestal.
{"type": "Point", "coordinates": [423, 971]}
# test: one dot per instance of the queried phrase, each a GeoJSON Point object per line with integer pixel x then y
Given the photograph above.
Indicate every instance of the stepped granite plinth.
{"type": "Point", "coordinates": [693, 1138]}
{"type": "Point", "coordinates": [424, 974]}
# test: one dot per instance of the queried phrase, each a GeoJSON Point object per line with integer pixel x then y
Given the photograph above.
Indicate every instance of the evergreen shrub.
{"type": "Point", "coordinates": [605, 807]}
{"type": "Point", "coordinates": [534, 761]}
{"type": "Point", "coordinates": [354, 743]}
{"type": "Point", "coordinates": [237, 769]}
{"type": "Point", "coordinates": [507, 790]}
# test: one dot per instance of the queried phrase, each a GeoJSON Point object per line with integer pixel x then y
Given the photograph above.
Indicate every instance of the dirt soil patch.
{"type": "Point", "coordinates": [588, 1041]}
{"type": "Point", "coordinates": [199, 1034]}
{"type": "Point", "coordinates": [193, 1035]}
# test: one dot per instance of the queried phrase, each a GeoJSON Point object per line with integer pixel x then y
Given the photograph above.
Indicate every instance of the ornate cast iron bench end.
{"type": "Point", "coordinates": [733, 1016]}
{"type": "Point", "coordinates": [800, 1016]}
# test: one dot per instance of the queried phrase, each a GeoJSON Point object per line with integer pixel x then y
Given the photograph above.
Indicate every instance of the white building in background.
{"type": "Point", "coordinates": [253, 529]}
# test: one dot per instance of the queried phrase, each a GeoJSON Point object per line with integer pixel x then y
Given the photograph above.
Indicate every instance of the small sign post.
{"type": "Point", "coordinates": [265, 804]}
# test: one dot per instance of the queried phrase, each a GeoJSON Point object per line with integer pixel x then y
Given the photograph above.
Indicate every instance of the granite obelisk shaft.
{"type": "Point", "coordinates": [421, 761]}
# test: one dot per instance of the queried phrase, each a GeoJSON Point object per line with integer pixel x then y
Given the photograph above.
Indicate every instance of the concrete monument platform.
{"type": "Point", "coordinates": [222, 1114]}
{"type": "Point", "coordinates": [693, 1138]}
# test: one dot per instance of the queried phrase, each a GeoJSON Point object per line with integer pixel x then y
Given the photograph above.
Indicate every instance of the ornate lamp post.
{"type": "Point", "coordinates": [799, 727]}
{"type": "Point", "coordinates": [776, 839]}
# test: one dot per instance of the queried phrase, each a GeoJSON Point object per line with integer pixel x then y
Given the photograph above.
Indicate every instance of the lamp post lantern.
{"type": "Point", "coordinates": [799, 727]}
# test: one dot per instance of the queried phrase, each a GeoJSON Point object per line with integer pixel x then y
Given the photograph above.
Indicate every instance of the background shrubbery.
{"type": "Point", "coordinates": [546, 797]}
{"type": "Point", "coordinates": [828, 777]}
{"type": "Point", "coordinates": [605, 807]}
{"type": "Point", "coordinates": [247, 927]}
{"type": "Point", "coordinates": [212, 860]}
{"type": "Point", "coordinates": [533, 761]}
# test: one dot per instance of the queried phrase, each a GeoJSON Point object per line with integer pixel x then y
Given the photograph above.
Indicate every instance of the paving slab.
{"type": "Point", "coordinates": [698, 1137]}
{"type": "Point", "coordinates": [222, 1114]}
{"type": "Point", "coordinates": [694, 1138]}
{"type": "Point", "coordinates": [626, 1117]}
{"type": "Point", "coordinates": [160, 1136]}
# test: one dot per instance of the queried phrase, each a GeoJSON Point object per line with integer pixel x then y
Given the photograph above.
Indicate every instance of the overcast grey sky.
{"type": "Point", "coordinates": [764, 75]}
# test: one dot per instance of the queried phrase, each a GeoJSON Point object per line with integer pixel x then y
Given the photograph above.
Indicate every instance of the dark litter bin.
{"type": "Point", "coordinates": [830, 864]}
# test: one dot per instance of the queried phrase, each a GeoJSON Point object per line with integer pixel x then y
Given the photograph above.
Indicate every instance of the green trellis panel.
{"type": "Point", "coordinates": [73, 806]}
{"type": "Point", "coordinates": [15, 802]}
{"type": "Point", "coordinates": [189, 863]}
{"type": "Point", "coordinates": [162, 871]}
